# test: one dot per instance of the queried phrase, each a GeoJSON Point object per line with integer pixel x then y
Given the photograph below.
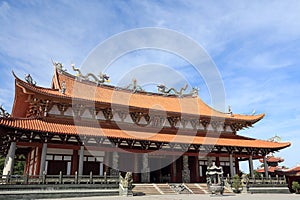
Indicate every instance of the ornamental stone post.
{"type": "Point", "coordinates": [186, 178]}
{"type": "Point", "coordinates": [145, 176]}
{"type": "Point", "coordinates": [115, 164]}
{"type": "Point", "coordinates": [81, 156]}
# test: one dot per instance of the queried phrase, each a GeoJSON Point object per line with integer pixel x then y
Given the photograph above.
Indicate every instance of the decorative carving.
{"type": "Point", "coordinates": [38, 108]}
{"type": "Point", "coordinates": [102, 77]}
{"type": "Point", "coordinates": [134, 87]}
{"type": "Point", "coordinates": [108, 114]}
{"type": "Point", "coordinates": [173, 120]}
{"type": "Point", "coordinates": [59, 66]}
{"type": "Point", "coordinates": [163, 89]}
{"type": "Point", "coordinates": [63, 87]}
{"type": "Point", "coordinates": [3, 112]}
{"type": "Point", "coordinates": [29, 79]}
{"type": "Point", "coordinates": [127, 181]}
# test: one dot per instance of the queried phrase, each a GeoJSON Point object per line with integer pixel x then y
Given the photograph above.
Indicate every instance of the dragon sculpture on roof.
{"type": "Point", "coordinates": [102, 77]}
{"type": "Point", "coordinates": [163, 89]}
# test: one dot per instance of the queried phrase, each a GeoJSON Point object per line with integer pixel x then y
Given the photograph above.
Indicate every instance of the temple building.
{"type": "Point", "coordinates": [81, 124]}
{"type": "Point", "coordinates": [273, 165]}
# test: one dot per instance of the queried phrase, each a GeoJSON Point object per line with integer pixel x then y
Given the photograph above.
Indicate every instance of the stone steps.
{"type": "Point", "coordinates": [196, 188]}
{"type": "Point", "coordinates": [145, 189]}
{"type": "Point", "coordinates": [165, 189]}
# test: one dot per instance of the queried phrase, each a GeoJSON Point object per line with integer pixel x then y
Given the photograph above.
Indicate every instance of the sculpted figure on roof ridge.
{"type": "Point", "coordinates": [134, 87]}
{"type": "Point", "coordinates": [102, 77]}
{"type": "Point", "coordinates": [3, 112]}
{"type": "Point", "coordinates": [29, 79]}
{"type": "Point", "coordinates": [163, 89]}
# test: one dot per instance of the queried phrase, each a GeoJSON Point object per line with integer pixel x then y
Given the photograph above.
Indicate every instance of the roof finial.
{"type": "Point", "coordinates": [3, 112]}
{"type": "Point", "coordinates": [134, 87]}
{"type": "Point", "coordinates": [29, 80]}
{"type": "Point", "coordinates": [229, 111]}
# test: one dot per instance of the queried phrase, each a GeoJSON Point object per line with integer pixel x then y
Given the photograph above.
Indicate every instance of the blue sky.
{"type": "Point", "coordinates": [254, 44]}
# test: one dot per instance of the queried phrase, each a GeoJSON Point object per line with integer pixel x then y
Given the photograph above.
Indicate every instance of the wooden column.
{"type": "Point", "coordinates": [37, 161]}
{"type": "Point", "coordinates": [27, 164]}
{"type": "Point", "coordinates": [74, 162]}
{"type": "Point", "coordinates": [266, 167]}
{"type": "Point", "coordinates": [251, 167]}
{"type": "Point", "coordinates": [196, 165]}
{"type": "Point", "coordinates": [218, 161]}
{"type": "Point", "coordinates": [43, 159]}
{"type": "Point", "coordinates": [173, 171]}
{"type": "Point", "coordinates": [237, 166]}
{"type": "Point", "coordinates": [231, 165]}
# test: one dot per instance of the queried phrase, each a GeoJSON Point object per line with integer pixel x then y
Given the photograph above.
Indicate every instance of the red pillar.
{"type": "Point", "coordinates": [173, 170]}
{"type": "Point", "coordinates": [74, 162]}
{"type": "Point", "coordinates": [218, 161]}
{"type": "Point", "coordinates": [26, 169]}
{"type": "Point", "coordinates": [196, 164]}
{"type": "Point", "coordinates": [38, 160]}
{"type": "Point", "coordinates": [135, 169]}
{"type": "Point", "coordinates": [237, 167]}
{"type": "Point", "coordinates": [33, 161]}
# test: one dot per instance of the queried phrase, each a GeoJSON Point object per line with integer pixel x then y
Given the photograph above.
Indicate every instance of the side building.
{"type": "Point", "coordinates": [79, 126]}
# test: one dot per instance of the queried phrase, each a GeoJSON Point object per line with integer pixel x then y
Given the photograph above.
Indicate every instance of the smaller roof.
{"type": "Point", "coordinates": [272, 159]}
{"type": "Point", "coordinates": [270, 169]}
{"type": "Point", "coordinates": [293, 171]}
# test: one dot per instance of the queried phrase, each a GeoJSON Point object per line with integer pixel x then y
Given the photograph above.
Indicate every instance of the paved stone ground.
{"type": "Point", "coordinates": [198, 197]}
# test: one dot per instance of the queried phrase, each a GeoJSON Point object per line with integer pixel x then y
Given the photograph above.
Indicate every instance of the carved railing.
{"type": "Point", "coordinates": [58, 179]}
{"type": "Point", "coordinates": [278, 180]}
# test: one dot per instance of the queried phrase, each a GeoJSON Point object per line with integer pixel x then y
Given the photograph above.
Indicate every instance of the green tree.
{"type": "Point", "coordinates": [18, 166]}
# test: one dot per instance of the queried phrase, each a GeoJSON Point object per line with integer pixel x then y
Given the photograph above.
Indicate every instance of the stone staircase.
{"type": "Point", "coordinates": [165, 188]}
{"type": "Point", "coordinates": [195, 188]}
{"type": "Point", "coordinates": [145, 189]}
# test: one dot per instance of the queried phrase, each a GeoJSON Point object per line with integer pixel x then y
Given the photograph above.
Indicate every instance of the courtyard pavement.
{"type": "Point", "coordinates": [198, 197]}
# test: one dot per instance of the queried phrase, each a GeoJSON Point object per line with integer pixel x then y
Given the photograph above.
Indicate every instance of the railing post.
{"type": "Point", "coordinates": [44, 177]}
{"type": "Point", "coordinates": [91, 177]}
{"type": "Point", "coordinates": [26, 179]}
{"type": "Point", "coordinates": [105, 177]}
{"type": "Point", "coordinates": [7, 178]}
{"type": "Point", "coordinates": [60, 177]}
{"type": "Point", "coordinates": [76, 177]}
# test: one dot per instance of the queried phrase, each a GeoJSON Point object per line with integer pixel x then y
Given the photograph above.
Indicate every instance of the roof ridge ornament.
{"type": "Point", "coordinates": [29, 79]}
{"type": "Point", "coordinates": [275, 138]}
{"type": "Point", "coordinates": [59, 66]}
{"type": "Point", "coordinates": [99, 81]}
{"type": "Point", "coordinates": [3, 112]}
{"type": "Point", "coordinates": [134, 87]}
{"type": "Point", "coordinates": [163, 89]}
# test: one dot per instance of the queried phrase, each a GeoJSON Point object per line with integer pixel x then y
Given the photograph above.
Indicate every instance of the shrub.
{"type": "Point", "coordinates": [296, 186]}
{"type": "Point", "coordinates": [236, 183]}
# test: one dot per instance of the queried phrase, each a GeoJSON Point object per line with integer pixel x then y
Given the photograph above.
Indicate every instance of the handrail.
{"type": "Point", "coordinates": [59, 179]}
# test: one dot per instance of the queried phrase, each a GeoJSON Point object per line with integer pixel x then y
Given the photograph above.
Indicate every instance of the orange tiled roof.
{"type": "Point", "coordinates": [293, 171]}
{"type": "Point", "coordinates": [272, 159]}
{"type": "Point", "coordinates": [68, 128]}
{"type": "Point", "coordinates": [270, 169]}
{"type": "Point", "coordinates": [111, 95]}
